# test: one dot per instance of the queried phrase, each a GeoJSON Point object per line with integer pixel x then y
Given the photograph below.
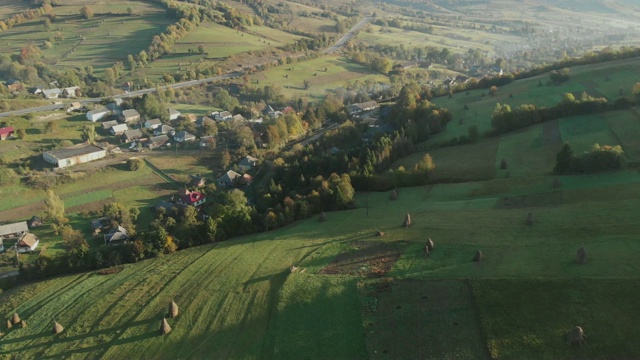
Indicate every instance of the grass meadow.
{"type": "Point", "coordinates": [339, 72]}
{"type": "Point", "coordinates": [101, 41]}
{"type": "Point", "coordinates": [239, 299]}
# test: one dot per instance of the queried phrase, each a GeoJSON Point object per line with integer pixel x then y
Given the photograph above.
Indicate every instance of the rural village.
{"type": "Point", "coordinates": [319, 179]}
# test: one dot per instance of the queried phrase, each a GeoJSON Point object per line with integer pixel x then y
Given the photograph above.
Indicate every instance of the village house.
{"type": "Point", "coordinates": [35, 222]}
{"type": "Point", "coordinates": [119, 129]}
{"type": "Point", "coordinates": [229, 179]}
{"type": "Point", "coordinates": [115, 107]}
{"type": "Point", "coordinates": [355, 109]}
{"type": "Point", "coordinates": [132, 135]}
{"type": "Point", "coordinates": [192, 198]}
{"type": "Point", "coordinates": [28, 243]}
{"type": "Point", "coordinates": [255, 121]}
{"type": "Point", "coordinates": [183, 136]}
{"type": "Point", "coordinates": [6, 132]}
{"type": "Point", "coordinates": [74, 155]}
{"type": "Point", "coordinates": [36, 90]}
{"type": "Point", "coordinates": [237, 118]}
{"type": "Point", "coordinates": [12, 231]}
{"type": "Point", "coordinates": [152, 124]}
{"type": "Point", "coordinates": [14, 85]}
{"type": "Point", "coordinates": [247, 163]}
{"type": "Point", "coordinates": [197, 181]}
{"type": "Point", "coordinates": [130, 116]}
{"type": "Point", "coordinates": [117, 236]}
{"type": "Point", "coordinates": [157, 141]}
{"type": "Point", "coordinates": [201, 122]}
{"type": "Point", "coordinates": [163, 129]}
{"type": "Point", "coordinates": [100, 224]}
{"type": "Point", "coordinates": [97, 114]}
{"type": "Point", "coordinates": [207, 141]}
{"type": "Point", "coordinates": [107, 125]}
{"type": "Point", "coordinates": [71, 92]}
{"type": "Point", "coordinates": [223, 116]}
{"type": "Point", "coordinates": [74, 106]}
{"type": "Point", "coordinates": [51, 93]}
{"type": "Point", "coordinates": [173, 114]}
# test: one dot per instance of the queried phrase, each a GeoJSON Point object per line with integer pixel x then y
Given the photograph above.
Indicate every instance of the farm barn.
{"type": "Point", "coordinates": [74, 155]}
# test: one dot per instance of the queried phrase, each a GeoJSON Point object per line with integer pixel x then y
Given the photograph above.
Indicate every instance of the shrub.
{"type": "Point", "coordinates": [135, 164]}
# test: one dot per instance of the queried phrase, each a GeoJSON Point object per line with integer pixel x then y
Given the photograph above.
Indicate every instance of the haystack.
{"type": "Point", "coordinates": [478, 256]}
{"type": "Point", "coordinates": [529, 219]}
{"type": "Point", "coordinates": [57, 328]}
{"type": "Point", "coordinates": [173, 309]}
{"type": "Point", "coordinates": [15, 319]}
{"type": "Point", "coordinates": [394, 194]}
{"type": "Point", "coordinates": [576, 335]}
{"type": "Point", "coordinates": [582, 255]}
{"type": "Point", "coordinates": [503, 164]}
{"type": "Point", "coordinates": [379, 233]}
{"type": "Point", "coordinates": [165, 328]}
{"type": "Point", "coordinates": [426, 250]}
{"type": "Point", "coordinates": [322, 217]}
{"type": "Point", "coordinates": [430, 244]}
{"type": "Point", "coordinates": [407, 221]}
{"type": "Point", "coordinates": [9, 324]}
{"type": "Point", "coordinates": [23, 324]}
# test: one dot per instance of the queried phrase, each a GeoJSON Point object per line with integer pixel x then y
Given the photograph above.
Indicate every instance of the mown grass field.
{"type": "Point", "coordinates": [238, 298]}
{"type": "Point", "coordinates": [108, 37]}
{"type": "Point", "coordinates": [589, 78]}
{"type": "Point", "coordinates": [339, 72]}
{"type": "Point", "coordinates": [219, 42]}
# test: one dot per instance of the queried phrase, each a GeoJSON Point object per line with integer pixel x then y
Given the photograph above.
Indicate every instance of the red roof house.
{"type": "Point", "coordinates": [6, 132]}
{"type": "Point", "coordinates": [193, 198]}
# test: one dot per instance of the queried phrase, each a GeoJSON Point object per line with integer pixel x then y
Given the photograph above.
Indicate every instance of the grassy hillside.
{"type": "Point", "coordinates": [239, 300]}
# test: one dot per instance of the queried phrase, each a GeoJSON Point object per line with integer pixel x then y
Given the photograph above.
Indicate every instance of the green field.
{"type": "Point", "coordinates": [101, 41]}
{"type": "Point", "coordinates": [238, 299]}
{"type": "Point", "coordinates": [339, 72]}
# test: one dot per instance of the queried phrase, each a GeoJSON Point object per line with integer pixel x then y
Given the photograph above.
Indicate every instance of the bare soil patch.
{"type": "Point", "coordinates": [371, 259]}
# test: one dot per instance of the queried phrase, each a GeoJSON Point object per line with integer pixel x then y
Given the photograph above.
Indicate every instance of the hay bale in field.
{"type": "Point", "coordinates": [379, 233]}
{"type": "Point", "coordinates": [582, 255]}
{"type": "Point", "coordinates": [9, 324]}
{"type": "Point", "coordinates": [294, 269]}
{"type": "Point", "coordinates": [23, 324]}
{"type": "Point", "coordinates": [394, 194]}
{"type": "Point", "coordinates": [322, 217]}
{"type": "Point", "coordinates": [478, 256]}
{"type": "Point", "coordinates": [503, 164]}
{"type": "Point", "coordinates": [15, 319]}
{"type": "Point", "coordinates": [529, 220]}
{"type": "Point", "coordinates": [430, 244]}
{"type": "Point", "coordinates": [165, 328]}
{"type": "Point", "coordinates": [576, 335]}
{"type": "Point", "coordinates": [57, 328]}
{"type": "Point", "coordinates": [173, 309]}
{"type": "Point", "coordinates": [407, 220]}
{"type": "Point", "coordinates": [426, 250]}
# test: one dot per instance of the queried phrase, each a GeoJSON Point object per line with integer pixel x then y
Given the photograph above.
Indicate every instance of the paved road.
{"type": "Point", "coordinates": [343, 40]}
{"type": "Point", "coordinates": [340, 43]}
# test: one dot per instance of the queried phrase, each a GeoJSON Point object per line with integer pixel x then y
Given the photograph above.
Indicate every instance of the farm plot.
{"type": "Point", "coordinates": [526, 152]}
{"type": "Point", "coordinates": [409, 319]}
{"type": "Point", "coordinates": [511, 314]}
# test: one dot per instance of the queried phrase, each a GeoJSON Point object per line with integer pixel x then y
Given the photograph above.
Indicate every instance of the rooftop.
{"type": "Point", "coordinates": [13, 228]}
{"type": "Point", "coordinates": [77, 150]}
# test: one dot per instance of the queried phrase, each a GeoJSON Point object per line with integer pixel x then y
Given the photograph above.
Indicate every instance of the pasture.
{"type": "Point", "coordinates": [339, 72]}
{"type": "Point", "coordinates": [220, 43]}
{"type": "Point", "coordinates": [239, 299]}
{"type": "Point", "coordinates": [101, 41]}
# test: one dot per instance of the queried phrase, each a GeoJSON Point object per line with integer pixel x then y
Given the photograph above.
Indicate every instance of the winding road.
{"type": "Point", "coordinates": [335, 47]}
